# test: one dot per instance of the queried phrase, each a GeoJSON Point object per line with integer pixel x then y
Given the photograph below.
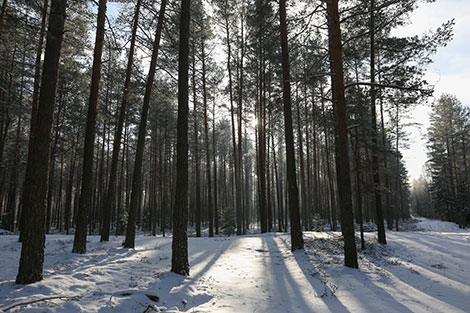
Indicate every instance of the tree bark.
{"type": "Point", "coordinates": [37, 70]}
{"type": "Point", "coordinates": [108, 206]}
{"type": "Point", "coordinates": [179, 258]}
{"type": "Point", "coordinates": [206, 131]}
{"type": "Point", "coordinates": [243, 207]}
{"type": "Point", "coordinates": [375, 160]}
{"type": "Point", "coordinates": [296, 231]}
{"type": "Point", "coordinates": [196, 154]}
{"type": "Point", "coordinates": [2, 15]}
{"type": "Point", "coordinates": [85, 202]}
{"type": "Point", "coordinates": [303, 191]}
{"type": "Point", "coordinates": [263, 209]}
{"type": "Point", "coordinates": [137, 175]}
{"type": "Point", "coordinates": [214, 155]}
{"type": "Point", "coordinates": [397, 178]}
{"type": "Point", "coordinates": [35, 187]}
{"type": "Point", "coordinates": [68, 194]}
{"type": "Point", "coordinates": [342, 153]}
{"type": "Point", "coordinates": [357, 162]}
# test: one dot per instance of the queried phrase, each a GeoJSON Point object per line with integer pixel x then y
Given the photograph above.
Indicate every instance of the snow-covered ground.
{"type": "Point", "coordinates": [418, 271]}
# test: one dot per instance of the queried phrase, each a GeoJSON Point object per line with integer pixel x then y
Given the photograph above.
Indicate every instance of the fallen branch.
{"type": "Point", "coordinates": [40, 300]}
{"type": "Point", "coordinates": [151, 307]}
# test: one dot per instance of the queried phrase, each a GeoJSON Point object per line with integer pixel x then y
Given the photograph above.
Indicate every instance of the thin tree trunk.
{"type": "Point", "coordinates": [12, 193]}
{"type": "Point", "coordinates": [240, 119]}
{"type": "Point", "coordinates": [375, 160]}
{"type": "Point", "coordinates": [268, 180]}
{"type": "Point", "coordinates": [214, 155]}
{"type": "Point", "coordinates": [357, 162]}
{"type": "Point", "coordinates": [137, 175]}
{"type": "Point", "coordinates": [108, 206]}
{"type": "Point", "coordinates": [278, 190]}
{"type": "Point", "coordinates": [37, 70]}
{"type": "Point", "coordinates": [68, 195]}
{"type": "Point", "coordinates": [196, 154]}
{"type": "Point", "coordinates": [302, 166]}
{"type": "Point", "coordinates": [120, 195]}
{"type": "Point", "coordinates": [50, 191]}
{"type": "Point", "coordinates": [309, 168]}
{"type": "Point", "coordinates": [263, 215]}
{"type": "Point", "coordinates": [397, 178]}
{"type": "Point", "coordinates": [206, 130]}
{"type": "Point", "coordinates": [232, 118]}
{"type": "Point", "coordinates": [2, 15]}
{"type": "Point", "coordinates": [4, 115]}
{"type": "Point", "coordinates": [384, 155]}
{"type": "Point", "coordinates": [85, 202]}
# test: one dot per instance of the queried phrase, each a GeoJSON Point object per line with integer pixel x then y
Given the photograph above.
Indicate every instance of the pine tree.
{"type": "Point", "coordinates": [137, 176]}
{"type": "Point", "coordinates": [179, 258]}
{"type": "Point", "coordinates": [85, 202]}
{"type": "Point", "coordinates": [296, 231]}
{"type": "Point", "coordinates": [341, 142]}
{"type": "Point", "coordinates": [35, 187]}
{"type": "Point", "coordinates": [109, 204]}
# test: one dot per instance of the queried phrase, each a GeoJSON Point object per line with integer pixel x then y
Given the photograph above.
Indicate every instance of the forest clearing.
{"type": "Point", "coordinates": [425, 269]}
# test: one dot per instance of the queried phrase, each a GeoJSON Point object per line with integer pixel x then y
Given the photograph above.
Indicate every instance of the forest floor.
{"type": "Point", "coordinates": [424, 269]}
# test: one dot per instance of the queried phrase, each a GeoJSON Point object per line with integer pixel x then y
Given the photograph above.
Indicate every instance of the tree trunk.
{"type": "Point", "coordinates": [137, 175]}
{"type": "Point", "coordinates": [303, 190]}
{"type": "Point", "coordinates": [342, 154]}
{"type": "Point", "coordinates": [108, 206]}
{"type": "Point", "coordinates": [296, 231]}
{"type": "Point", "coordinates": [37, 70]}
{"type": "Point", "coordinates": [263, 210]}
{"type": "Point", "coordinates": [232, 118]}
{"type": "Point", "coordinates": [357, 162]}
{"type": "Point", "coordinates": [179, 258]}
{"type": "Point", "coordinates": [2, 15]}
{"type": "Point", "coordinates": [206, 130]}
{"type": "Point", "coordinates": [35, 187]}
{"type": "Point", "coordinates": [397, 178]}
{"type": "Point", "coordinates": [85, 202]}
{"type": "Point", "coordinates": [216, 207]}
{"type": "Point", "coordinates": [387, 176]}
{"type": "Point", "coordinates": [68, 195]}
{"type": "Point", "coordinates": [12, 193]}
{"type": "Point", "coordinates": [196, 155]}
{"type": "Point", "coordinates": [240, 119]}
{"type": "Point", "coordinates": [375, 160]}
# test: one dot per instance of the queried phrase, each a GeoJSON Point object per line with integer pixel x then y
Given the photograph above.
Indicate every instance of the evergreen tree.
{"type": "Point", "coordinates": [35, 188]}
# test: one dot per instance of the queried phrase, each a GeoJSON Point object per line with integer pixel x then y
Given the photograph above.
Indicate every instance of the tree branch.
{"type": "Point", "coordinates": [353, 84]}
{"type": "Point", "coordinates": [40, 300]}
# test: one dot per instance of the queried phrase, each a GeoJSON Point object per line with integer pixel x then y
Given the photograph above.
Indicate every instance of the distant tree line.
{"type": "Point", "coordinates": [444, 192]}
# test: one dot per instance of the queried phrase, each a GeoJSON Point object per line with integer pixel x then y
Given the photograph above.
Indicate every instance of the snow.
{"type": "Point", "coordinates": [418, 271]}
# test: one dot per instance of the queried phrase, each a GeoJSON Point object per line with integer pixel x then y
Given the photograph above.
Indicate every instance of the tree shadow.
{"type": "Point", "coordinates": [286, 285]}
{"type": "Point", "coordinates": [428, 280]}
{"type": "Point", "coordinates": [351, 280]}
{"type": "Point", "coordinates": [173, 290]}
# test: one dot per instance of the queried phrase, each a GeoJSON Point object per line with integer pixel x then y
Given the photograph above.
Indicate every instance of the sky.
{"type": "Point", "coordinates": [450, 72]}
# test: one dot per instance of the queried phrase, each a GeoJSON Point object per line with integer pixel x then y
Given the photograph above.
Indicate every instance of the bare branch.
{"type": "Point", "coordinates": [40, 300]}
{"type": "Point", "coordinates": [393, 86]}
